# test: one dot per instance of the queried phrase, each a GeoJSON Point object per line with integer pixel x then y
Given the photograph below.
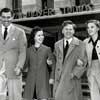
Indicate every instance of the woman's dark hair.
{"type": "Point", "coordinates": [33, 33]}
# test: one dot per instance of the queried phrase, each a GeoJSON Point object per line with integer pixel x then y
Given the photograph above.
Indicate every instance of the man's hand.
{"type": "Point", "coordinates": [17, 71]}
{"type": "Point", "coordinates": [71, 76]}
{"type": "Point", "coordinates": [51, 81]}
{"type": "Point", "coordinates": [79, 62]}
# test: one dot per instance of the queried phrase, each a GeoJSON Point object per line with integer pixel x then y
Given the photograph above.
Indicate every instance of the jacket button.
{"type": "Point", "coordinates": [97, 46]}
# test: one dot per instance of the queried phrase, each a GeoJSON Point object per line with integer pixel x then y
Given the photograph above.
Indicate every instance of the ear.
{"type": "Point", "coordinates": [12, 17]}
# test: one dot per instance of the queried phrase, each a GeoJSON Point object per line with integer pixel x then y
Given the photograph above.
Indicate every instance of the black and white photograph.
{"type": "Point", "coordinates": [49, 49]}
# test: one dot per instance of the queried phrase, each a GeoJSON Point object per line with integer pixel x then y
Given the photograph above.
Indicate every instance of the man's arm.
{"type": "Point", "coordinates": [22, 51]}
{"type": "Point", "coordinates": [81, 62]}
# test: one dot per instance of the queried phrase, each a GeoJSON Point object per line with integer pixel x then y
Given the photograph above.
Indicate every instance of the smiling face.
{"type": "Point", "coordinates": [39, 37]}
{"type": "Point", "coordinates": [92, 29]}
{"type": "Point", "coordinates": [68, 31]}
{"type": "Point", "coordinates": [6, 18]}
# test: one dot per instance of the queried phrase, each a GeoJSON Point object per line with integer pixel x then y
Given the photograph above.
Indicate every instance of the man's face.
{"type": "Point", "coordinates": [6, 18]}
{"type": "Point", "coordinates": [68, 31]}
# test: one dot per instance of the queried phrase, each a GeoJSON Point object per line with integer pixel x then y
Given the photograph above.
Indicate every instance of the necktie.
{"type": "Point", "coordinates": [66, 49]}
{"type": "Point", "coordinates": [94, 53]}
{"type": "Point", "coordinates": [5, 33]}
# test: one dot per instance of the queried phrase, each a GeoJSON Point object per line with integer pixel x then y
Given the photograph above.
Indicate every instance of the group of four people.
{"type": "Point", "coordinates": [70, 59]}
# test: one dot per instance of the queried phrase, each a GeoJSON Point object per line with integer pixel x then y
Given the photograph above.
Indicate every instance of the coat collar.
{"type": "Point", "coordinates": [73, 44]}
{"type": "Point", "coordinates": [90, 39]}
{"type": "Point", "coordinates": [74, 41]}
{"type": "Point", "coordinates": [34, 49]}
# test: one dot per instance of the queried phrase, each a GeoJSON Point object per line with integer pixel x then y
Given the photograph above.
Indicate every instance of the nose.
{"type": "Point", "coordinates": [5, 19]}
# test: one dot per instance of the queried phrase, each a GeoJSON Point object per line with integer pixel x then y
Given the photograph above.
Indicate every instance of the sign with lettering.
{"type": "Point", "coordinates": [51, 11]}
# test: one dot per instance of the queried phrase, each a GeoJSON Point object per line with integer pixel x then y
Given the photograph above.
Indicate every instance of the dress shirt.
{"type": "Point", "coordinates": [8, 28]}
{"type": "Point", "coordinates": [69, 41]}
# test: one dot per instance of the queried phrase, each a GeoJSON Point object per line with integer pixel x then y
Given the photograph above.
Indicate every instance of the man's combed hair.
{"type": "Point", "coordinates": [68, 22]}
{"type": "Point", "coordinates": [6, 10]}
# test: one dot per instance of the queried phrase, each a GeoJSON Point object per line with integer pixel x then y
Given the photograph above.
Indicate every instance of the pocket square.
{"type": "Point", "coordinates": [13, 39]}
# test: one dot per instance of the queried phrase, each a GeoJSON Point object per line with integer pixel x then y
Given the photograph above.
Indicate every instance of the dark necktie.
{"type": "Point", "coordinates": [5, 33]}
{"type": "Point", "coordinates": [94, 53]}
{"type": "Point", "coordinates": [66, 49]}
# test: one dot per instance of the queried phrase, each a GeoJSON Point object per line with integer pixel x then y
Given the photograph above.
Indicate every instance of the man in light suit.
{"type": "Point", "coordinates": [12, 53]}
{"type": "Point", "coordinates": [70, 64]}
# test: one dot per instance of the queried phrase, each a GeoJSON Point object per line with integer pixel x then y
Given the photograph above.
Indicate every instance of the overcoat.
{"type": "Point", "coordinates": [38, 74]}
{"type": "Point", "coordinates": [65, 87]}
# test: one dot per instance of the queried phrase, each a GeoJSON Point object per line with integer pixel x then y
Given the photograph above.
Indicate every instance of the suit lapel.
{"type": "Point", "coordinates": [1, 36]}
{"type": "Point", "coordinates": [61, 47]}
{"type": "Point", "coordinates": [11, 31]}
{"type": "Point", "coordinates": [89, 49]}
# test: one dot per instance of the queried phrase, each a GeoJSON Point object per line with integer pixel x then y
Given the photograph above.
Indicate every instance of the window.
{"type": "Point", "coordinates": [47, 4]}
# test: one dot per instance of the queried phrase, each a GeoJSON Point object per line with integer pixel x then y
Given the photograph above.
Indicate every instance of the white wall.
{"type": "Point", "coordinates": [28, 2]}
{"type": "Point", "coordinates": [2, 4]}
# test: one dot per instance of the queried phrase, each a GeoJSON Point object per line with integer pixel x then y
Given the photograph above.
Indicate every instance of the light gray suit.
{"type": "Point", "coordinates": [13, 52]}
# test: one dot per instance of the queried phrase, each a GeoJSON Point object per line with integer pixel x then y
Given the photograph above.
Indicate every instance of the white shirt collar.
{"type": "Point", "coordinates": [69, 41]}
{"type": "Point", "coordinates": [8, 28]}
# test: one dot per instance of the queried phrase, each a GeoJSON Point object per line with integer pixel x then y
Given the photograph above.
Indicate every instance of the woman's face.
{"type": "Point", "coordinates": [92, 29]}
{"type": "Point", "coordinates": [39, 37]}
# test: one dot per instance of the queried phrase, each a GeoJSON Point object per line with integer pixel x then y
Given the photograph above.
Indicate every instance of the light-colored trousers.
{"type": "Point", "coordinates": [94, 80]}
{"type": "Point", "coordinates": [3, 87]}
{"type": "Point", "coordinates": [14, 89]}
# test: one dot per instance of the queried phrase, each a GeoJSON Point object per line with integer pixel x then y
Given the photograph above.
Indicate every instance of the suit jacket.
{"type": "Point", "coordinates": [65, 86]}
{"type": "Point", "coordinates": [38, 73]}
{"type": "Point", "coordinates": [13, 50]}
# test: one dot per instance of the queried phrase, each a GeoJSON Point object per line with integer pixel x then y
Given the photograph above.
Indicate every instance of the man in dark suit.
{"type": "Point", "coordinates": [12, 53]}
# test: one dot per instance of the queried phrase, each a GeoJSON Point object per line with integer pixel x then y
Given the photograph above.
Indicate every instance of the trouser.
{"type": "Point", "coordinates": [3, 87]}
{"type": "Point", "coordinates": [94, 80]}
{"type": "Point", "coordinates": [15, 89]}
